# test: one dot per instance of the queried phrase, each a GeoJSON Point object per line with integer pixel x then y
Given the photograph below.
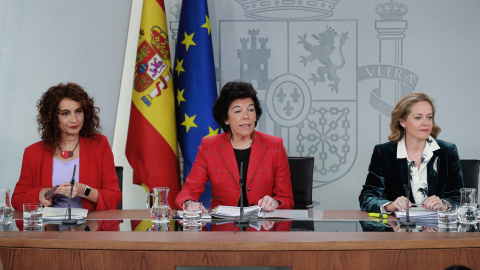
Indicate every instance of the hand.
{"type": "Point", "coordinates": [268, 203]}
{"type": "Point", "coordinates": [41, 197]}
{"type": "Point", "coordinates": [398, 205]}
{"type": "Point", "coordinates": [429, 229]}
{"type": "Point", "coordinates": [193, 205]}
{"type": "Point", "coordinates": [434, 202]}
{"type": "Point", "coordinates": [64, 189]}
{"type": "Point", "coordinates": [267, 224]}
{"type": "Point", "coordinates": [394, 225]}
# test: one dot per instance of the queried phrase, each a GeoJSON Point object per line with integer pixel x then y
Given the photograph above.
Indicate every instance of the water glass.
{"type": "Point", "coordinates": [5, 206]}
{"type": "Point", "coordinates": [32, 216]}
{"type": "Point", "coordinates": [192, 228]}
{"type": "Point", "coordinates": [467, 212]}
{"type": "Point", "coordinates": [468, 227]}
{"type": "Point", "coordinates": [192, 213]}
{"type": "Point", "coordinates": [448, 217]}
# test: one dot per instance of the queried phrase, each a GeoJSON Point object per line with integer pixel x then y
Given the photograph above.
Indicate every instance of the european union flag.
{"type": "Point", "coordinates": [195, 84]}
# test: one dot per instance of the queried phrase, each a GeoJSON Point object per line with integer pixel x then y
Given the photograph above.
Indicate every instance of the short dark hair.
{"type": "Point", "coordinates": [47, 117]}
{"type": "Point", "coordinates": [232, 91]}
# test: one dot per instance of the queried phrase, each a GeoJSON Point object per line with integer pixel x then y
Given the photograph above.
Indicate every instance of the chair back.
{"type": "Point", "coordinates": [301, 176]}
{"type": "Point", "coordinates": [470, 170]}
{"type": "Point", "coordinates": [119, 170]}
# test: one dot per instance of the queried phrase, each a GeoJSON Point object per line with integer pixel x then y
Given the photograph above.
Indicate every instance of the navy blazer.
{"type": "Point", "coordinates": [387, 176]}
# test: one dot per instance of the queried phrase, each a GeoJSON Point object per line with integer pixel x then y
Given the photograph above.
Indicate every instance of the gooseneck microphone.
{"type": "Point", "coordinates": [241, 221]}
{"type": "Point", "coordinates": [408, 188]}
{"type": "Point", "coordinates": [69, 220]}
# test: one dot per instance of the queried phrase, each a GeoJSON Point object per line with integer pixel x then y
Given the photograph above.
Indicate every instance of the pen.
{"type": "Point", "coordinates": [377, 215]}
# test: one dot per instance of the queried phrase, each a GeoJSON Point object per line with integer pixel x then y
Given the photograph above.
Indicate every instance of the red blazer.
{"type": "Point", "coordinates": [97, 170]}
{"type": "Point", "coordinates": [268, 172]}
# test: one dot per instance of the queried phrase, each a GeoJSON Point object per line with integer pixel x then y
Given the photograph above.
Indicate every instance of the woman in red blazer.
{"type": "Point", "coordinates": [70, 130]}
{"type": "Point", "coordinates": [265, 164]}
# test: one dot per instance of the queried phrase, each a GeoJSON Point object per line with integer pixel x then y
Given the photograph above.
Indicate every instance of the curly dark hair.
{"type": "Point", "coordinates": [47, 117]}
{"type": "Point", "coordinates": [403, 109]}
{"type": "Point", "coordinates": [232, 91]}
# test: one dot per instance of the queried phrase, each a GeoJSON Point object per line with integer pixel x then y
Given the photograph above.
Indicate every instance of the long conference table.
{"type": "Point", "coordinates": [338, 239]}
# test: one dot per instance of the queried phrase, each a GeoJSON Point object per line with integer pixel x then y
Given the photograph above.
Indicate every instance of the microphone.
{"type": "Point", "coordinates": [408, 188]}
{"type": "Point", "coordinates": [242, 221]}
{"type": "Point", "coordinates": [69, 220]}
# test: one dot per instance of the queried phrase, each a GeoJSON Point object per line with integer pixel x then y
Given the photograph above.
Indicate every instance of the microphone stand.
{"type": "Point", "coordinates": [242, 221]}
{"type": "Point", "coordinates": [408, 187]}
{"type": "Point", "coordinates": [70, 221]}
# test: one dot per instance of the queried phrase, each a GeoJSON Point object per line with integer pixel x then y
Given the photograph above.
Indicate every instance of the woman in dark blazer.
{"type": "Point", "coordinates": [413, 154]}
{"type": "Point", "coordinates": [265, 164]}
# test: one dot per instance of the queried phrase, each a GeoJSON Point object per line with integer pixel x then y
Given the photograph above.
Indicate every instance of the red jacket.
{"type": "Point", "coordinates": [97, 170]}
{"type": "Point", "coordinates": [268, 172]}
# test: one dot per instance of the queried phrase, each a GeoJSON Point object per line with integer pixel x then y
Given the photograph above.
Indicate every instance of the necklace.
{"type": "Point", "coordinates": [248, 146]}
{"type": "Point", "coordinates": [68, 154]}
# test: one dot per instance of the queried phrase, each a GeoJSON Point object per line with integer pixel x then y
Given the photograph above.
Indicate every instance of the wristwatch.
{"type": "Point", "coordinates": [86, 192]}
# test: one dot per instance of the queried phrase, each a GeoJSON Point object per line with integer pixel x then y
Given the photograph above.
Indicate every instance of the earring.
{"type": "Point", "coordinates": [404, 130]}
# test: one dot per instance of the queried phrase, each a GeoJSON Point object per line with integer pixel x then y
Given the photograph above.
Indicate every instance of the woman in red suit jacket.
{"type": "Point", "coordinates": [70, 130]}
{"type": "Point", "coordinates": [264, 159]}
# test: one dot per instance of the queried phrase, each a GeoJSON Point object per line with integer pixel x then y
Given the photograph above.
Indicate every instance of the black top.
{"type": "Point", "coordinates": [243, 156]}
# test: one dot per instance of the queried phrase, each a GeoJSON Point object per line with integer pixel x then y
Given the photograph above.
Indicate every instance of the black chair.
{"type": "Point", "coordinates": [470, 170]}
{"type": "Point", "coordinates": [301, 176]}
{"type": "Point", "coordinates": [119, 170]}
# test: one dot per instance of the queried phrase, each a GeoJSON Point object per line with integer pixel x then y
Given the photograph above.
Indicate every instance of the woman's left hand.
{"type": "Point", "coordinates": [268, 203]}
{"type": "Point", "coordinates": [267, 224]}
{"type": "Point", "coordinates": [434, 202]}
{"type": "Point", "coordinates": [64, 189]}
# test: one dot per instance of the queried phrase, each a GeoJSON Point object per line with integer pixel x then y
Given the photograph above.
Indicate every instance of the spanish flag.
{"type": "Point", "coordinates": [152, 149]}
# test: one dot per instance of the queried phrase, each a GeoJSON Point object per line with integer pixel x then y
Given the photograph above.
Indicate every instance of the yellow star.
{"type": "Point", "coordinates": [179, 67]}
{"type": "Point", "coordinates": [207, 24]}
{"type": "Point", "coordinates": [211, 132]}
{"type": "Point", "coordinates": [180, 97]}
{"type": "Point", "coordinates": [188, 123]}
{"type": "Point", "coordinates": [188, 40]}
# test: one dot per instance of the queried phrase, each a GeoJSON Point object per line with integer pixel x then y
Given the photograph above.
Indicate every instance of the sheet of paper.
{"type": "Point", "coordinates": [222, 211]}
{"type": "Point", "coordinates": [59, 213]}
{"type": "Point", "coordinates": [299, 214]}
{"type": "Point", "coordinates": [418, 213]}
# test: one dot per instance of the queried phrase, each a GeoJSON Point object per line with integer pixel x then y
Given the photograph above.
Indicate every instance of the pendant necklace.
{"type": "Point", "coordinates": [68, 154]}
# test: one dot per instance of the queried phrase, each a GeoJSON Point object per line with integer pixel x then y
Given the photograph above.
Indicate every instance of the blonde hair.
{"type": "Point", "coordinates": [403, 109]}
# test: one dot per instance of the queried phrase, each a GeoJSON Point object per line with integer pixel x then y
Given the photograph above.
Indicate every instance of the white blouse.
{"type": "Point", "coordinates": [418, 174]}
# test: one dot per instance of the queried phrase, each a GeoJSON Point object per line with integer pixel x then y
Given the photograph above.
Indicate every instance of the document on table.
{"type": "Point", "coordinates": [297, 214]}
{"type": "Point", "coordinates": [223, 211]}
{"type": "Point", "coordinates": [59, 213]}
{"type": "Point", "coordinates": [418, 213]}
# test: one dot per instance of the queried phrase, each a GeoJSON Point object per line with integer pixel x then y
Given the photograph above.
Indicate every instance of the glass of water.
{"type": "Point", "coordinates": [448, 218]}
{"type": "Point", "coordinates": [467, 212]}
{"type": "Point", "coordinates": [192, 213]}
{"type": "Point", "coordinates": [32, 216]}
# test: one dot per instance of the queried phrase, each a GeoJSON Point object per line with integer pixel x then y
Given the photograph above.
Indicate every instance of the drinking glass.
{"type": "Point", "coordinates": [467, 212]}
{"type": "Point", "coordinates": [192, 213]}
{"type": "Point", "coordinates": [5, 206]}
{"type": "Point", "coordinates": [32, 216]}
{"type": "Point", "coordinates": [448, 217]}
